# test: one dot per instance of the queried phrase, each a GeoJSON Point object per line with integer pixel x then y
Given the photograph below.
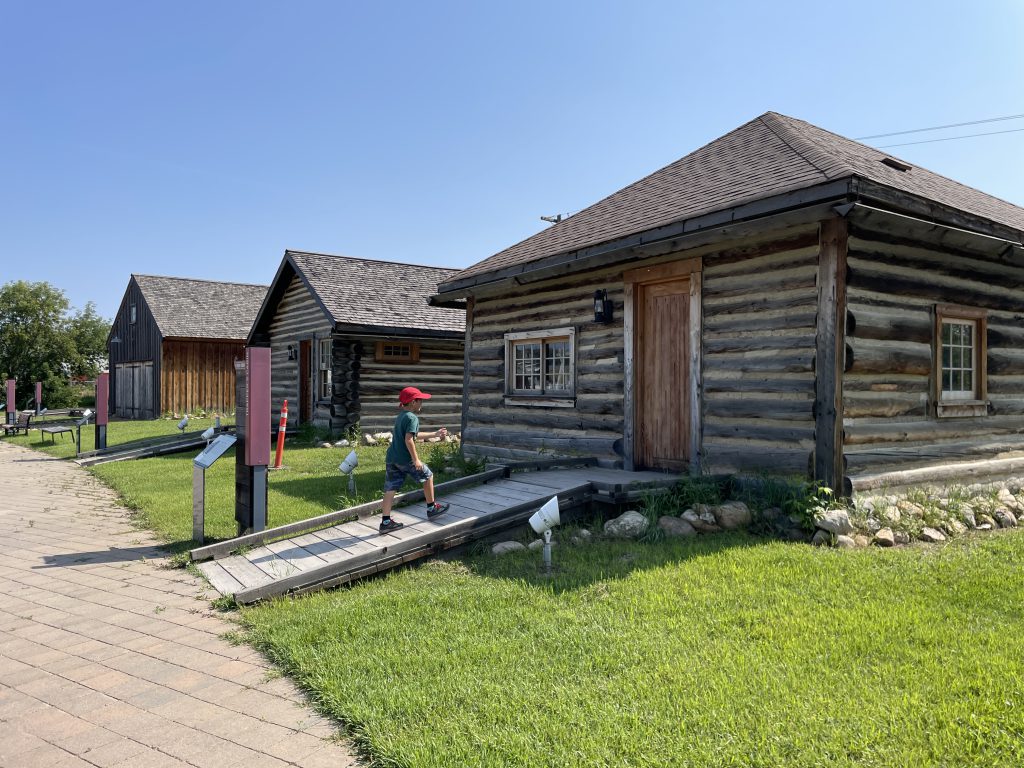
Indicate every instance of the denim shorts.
{"type": "Point", "coordinates": [395, 474]}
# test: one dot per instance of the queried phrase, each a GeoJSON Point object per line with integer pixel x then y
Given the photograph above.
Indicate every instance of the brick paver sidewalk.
{"type": "Point", "coordinates": [109, 658]}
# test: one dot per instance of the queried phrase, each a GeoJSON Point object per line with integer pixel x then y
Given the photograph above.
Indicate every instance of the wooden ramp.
{"type": "Point", "coordinates": [351, 550]}
{"type": "Point", "coordinates": [147, 448]}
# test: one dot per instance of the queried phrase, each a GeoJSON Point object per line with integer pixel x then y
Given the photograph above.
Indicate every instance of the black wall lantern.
{"type": "Point", "coordinates": [291, 352]}
{"type": "Point", "coordinates": [602, 307]}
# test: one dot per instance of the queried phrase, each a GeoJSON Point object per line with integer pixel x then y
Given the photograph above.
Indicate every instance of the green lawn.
{"type": "Point", "coordinates": [719, 651]}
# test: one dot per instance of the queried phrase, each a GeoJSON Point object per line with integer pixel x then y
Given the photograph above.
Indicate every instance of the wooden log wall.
{"type": "Point", "coordinates": [199, 376]}
{"type": "Point", "coordinates": [593, 426]}
{"type": "Point", "coordinates": [760, 307]}
{"type": "Point", "coordinates": [297, 317]}
{"type": "Point", "coordinates": [890, 420]}
{"type": "Point", "coordinates": [377, 384]}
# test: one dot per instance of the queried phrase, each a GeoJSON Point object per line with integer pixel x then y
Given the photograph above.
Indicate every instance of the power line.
{"type": "Point", "coordinates": [940, 127]}
{"type": "Point", "coordinates": [949, 138]}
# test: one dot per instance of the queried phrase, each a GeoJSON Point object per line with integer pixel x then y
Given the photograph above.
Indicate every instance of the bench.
{"type": "Point", "coordinates": [21, 425]}
{"type": "Point", "coordinates": [54, 431]}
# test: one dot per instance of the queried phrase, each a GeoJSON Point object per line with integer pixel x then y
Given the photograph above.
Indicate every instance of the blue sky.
{"type": "Point", "coordinates": [203, 139]}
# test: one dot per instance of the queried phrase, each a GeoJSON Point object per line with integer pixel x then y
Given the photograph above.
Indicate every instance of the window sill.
{"type": "Point", "coordinates": [959, 408]}
{"type": "Point", "coordinates": [541, 402]}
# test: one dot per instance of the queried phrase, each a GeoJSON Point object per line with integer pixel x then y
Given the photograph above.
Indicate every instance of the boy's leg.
{"type": "Point", "coordinates": [389, 500]}
{"type": "Point", "coordinates": [428, 490]}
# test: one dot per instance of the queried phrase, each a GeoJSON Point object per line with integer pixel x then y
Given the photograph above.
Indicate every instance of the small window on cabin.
{"type": "Point", "coordinates": [961, 363]}
{"type": "Point", "coordinates": [540, 364]}
{"type": "Point", "coordinates": [324, 373]}
{"type": "Point", "coordinates": [397, 352]}
{"type": "Point", "coordinates": [132, 314]}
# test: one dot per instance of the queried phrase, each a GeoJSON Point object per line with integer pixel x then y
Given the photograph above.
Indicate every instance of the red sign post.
{"type": "Point", "coordinates": [39, 397]}
{"type": "Point", "coordinates": [102, 409]}
{"type": "Point", "coordinates": [12, 409]}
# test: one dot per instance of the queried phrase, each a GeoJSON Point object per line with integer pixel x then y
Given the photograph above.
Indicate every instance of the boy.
{"type": "Point", "coordinates": [401, 459]}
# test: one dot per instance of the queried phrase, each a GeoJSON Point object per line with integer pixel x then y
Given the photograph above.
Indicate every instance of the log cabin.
{"type": "Point", "coordinates": [347, 334]}
{"type": "Point", "coordinates": [173, 343]}
{"type": "Point", "coordinates": [781, 300]}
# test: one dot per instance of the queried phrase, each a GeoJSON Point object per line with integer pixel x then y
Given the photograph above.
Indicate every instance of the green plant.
{"type": "Point", "coordinates": [441, 455]}
{"type": "Point", "coordinates": [807, 501]}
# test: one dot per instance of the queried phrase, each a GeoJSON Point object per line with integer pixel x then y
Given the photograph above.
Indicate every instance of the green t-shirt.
{"type": "Point", "coordinates": [407, 423]}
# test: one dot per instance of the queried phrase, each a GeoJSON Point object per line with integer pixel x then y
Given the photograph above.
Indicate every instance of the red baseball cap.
{"type": "Point", "coordinates": [409, 394]}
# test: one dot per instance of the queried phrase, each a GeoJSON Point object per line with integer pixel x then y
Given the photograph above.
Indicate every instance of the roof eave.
{"type": "Point", "coordinates": [396, 330]}
{"type": "Point", "coordinates": [756, 209]}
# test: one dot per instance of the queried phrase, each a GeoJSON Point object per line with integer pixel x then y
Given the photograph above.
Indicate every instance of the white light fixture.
{"type": "Point", "coordinates": [347, 467]}
{"type": "Point", "coordinates": [542, 521]}
{"type": "Point", "coordinates": [182, 424]}
{"type": "Point", "coordinates": [208, 434]}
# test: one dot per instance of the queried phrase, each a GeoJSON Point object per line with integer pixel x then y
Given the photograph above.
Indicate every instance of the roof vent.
{"type": "Point", "coordinates": [892, 162]}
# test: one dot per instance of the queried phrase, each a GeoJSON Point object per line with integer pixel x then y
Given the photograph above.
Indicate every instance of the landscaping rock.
{"type": "Point", "coordinates": [931, 535]}
{"type": "Point", "coordinates": [884, 538]}
{"type": "Point", "coordinates": [732, 515]}
{"type": "Point", "coordinates": [967, 515]}
{"type": "Point", "coordinates": [873, 525]}
{"type": "Point", "coordinates": [861, 540]}
{"type": "Point", "coordinates": [900, 537]}
{"type": "Point", "coordinates": [504, 547]}
{"type": "Point", "coordinates": [582, 536]}
{"type": "Point", "coordinates": [772, 514]}
{"type": "Point", "coordinates": [701, 518]}
{"type": "Point", "coordinates": [985, 526]}
{"type": "Point", "coordinates": [341, 444]}
{"type": "Point", "coordinates": [1008, 500]}
{"type": "Point", "coordinates": [539, 544]}
{"type": "Point", "coordinates": [325, 444]}
{"type": "Point", "coordinates": [835, 521]}
{"type": "Point", "coordinates": [845, 542]}
{"type": "Point", "coordinates": [628, 525]}
{"type": "Point", "coordinates": [1005, 518]}
{"type": "Point", "coordinates": [986, 520]}
{"type": "Point", "coordinates": [891, 514]}
{"type": "Point", "coordinates": [821, 538]}
{"type": "Point", "coordinates": [675, 527]}
{"type": "Point", "coordinates": [953, 527]}
{"type": "Point", "coordinates": [382, 437]}
{"type": "Point", "coordinates": [910, 508]}
{"type": "Point", "coordinates": [369, 439]}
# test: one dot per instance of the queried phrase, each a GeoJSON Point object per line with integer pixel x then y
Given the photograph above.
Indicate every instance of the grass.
{"type": "Point", "coordinates": [716, 651]}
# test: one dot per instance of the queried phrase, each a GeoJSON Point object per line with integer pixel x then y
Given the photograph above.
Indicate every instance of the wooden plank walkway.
{"type": "Point", "coordinates": [350, 550]}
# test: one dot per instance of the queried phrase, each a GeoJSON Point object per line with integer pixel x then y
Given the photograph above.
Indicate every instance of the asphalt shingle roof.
{"type": "Point", "coordinates": [201, 308]}
{"type": "Point", "coordinates": [771, 155]}
{"type": "Point", "coordinates": [379, 293]}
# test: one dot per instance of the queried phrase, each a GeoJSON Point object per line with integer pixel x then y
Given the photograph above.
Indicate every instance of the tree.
{"type": "Point", "coordinates": [40, 341]}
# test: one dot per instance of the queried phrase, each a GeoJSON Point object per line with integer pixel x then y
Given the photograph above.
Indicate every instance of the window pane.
{"type": "Point", "coordinates": [557, 371]}
{"type": "Point", "coordinates": [526, 365]}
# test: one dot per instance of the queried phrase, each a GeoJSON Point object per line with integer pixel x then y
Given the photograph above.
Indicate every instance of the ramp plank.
{"type": "Point", "coordinates": [222, 581]}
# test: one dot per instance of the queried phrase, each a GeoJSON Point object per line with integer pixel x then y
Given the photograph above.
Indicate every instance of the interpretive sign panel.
{"type": "Point", "coordinates": [214, 451]}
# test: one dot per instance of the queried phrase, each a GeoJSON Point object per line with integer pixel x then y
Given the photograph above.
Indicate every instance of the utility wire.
{"type": "Point", "coordinates": [938, 128]}
{"type": "Point", "coordinates": [949, 138]}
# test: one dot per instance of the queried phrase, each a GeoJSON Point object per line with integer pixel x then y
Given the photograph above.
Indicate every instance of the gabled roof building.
{"type": "Point", "coordinates": [782, 299]}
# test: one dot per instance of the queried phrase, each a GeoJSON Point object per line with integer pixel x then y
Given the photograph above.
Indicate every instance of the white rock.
{"type": "Point", "coordinates": [675, 527]}
{"type": "Point", "coordinates": [369, 439]}
{"type": "Point", "coordinates": [835, 521]}
{"type": "Point", "coordinates": [845, 542]}
{"type": "Point", "coordinates": [582, 536]}
{"type": "Point", "coordinates": [382, 437]}
{"type": "Point", "coordinates": [504, 547]}
{"type": "Point", "coordinates": [861, 540]}
{"type": "Point", "coordinates": [884, 538]}
{"type": "Point", "coordinates": [628, 525]}
{"type": "Point", "coordinates": [702, 519]}
{"type": "Point", "coordinates": [326, 445]}
{"type": "Point", "coordinates": [341, 444]}
{"type": "Point", "coordinates": [932, 535]}
{"type": "Point", "coordinates": [539, 544]}
{"type": "Point", "coordinates": [732, 515]}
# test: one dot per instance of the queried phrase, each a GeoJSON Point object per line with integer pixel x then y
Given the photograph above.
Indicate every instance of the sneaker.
{"type": "Point", "coordinates": [435, 509]}
{"type": "Point", "coordinates": [390, 525]}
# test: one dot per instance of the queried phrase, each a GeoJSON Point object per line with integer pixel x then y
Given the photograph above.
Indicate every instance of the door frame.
{"type": "Point", "coordinates": [307, 407]}
{"type": "Point", "coordinates": [662, 272]}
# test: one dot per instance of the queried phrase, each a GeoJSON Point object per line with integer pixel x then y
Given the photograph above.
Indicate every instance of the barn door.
{"type": "Point", "coordinates": [663, 417]}
{"type": "Point", "coordinates": [133, 398]}
{"type": "Point", "coordinates": [305, 376]}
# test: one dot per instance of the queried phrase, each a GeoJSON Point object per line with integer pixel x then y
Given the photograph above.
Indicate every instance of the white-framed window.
{"type": "Point", "coordinates": [541, 364]}
{"type": "Point", "coordinates": [324, 372]}
{"type": "Point", "coordinates": [960, 347]}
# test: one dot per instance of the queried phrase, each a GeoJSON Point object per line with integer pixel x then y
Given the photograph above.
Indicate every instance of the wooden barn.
{"type": "Point", "coordinates": [782, 299]}
{"type": "Point", "coordinates": [173, 344]}
{"type": "Point", "coordinates": [346, 335]}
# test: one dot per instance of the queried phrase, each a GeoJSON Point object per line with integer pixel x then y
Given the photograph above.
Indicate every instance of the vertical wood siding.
{"type": "Point", "coordinates": [199, 375]}
{"type": "Point", "coordinates": [140, 342]}
{"type": "Point", "coordinates": [889, 413]}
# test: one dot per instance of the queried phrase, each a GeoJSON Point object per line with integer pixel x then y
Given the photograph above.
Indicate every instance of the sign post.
{"type": "Point", "coordinates": [200, 464]}
{"type": "Point", "coordinates": [39, 398]}
{"type": "Point", "coordinates": [12, 408]}
{"type": "Point", "coordinates": [252, 416]}
{"type": "Point", "coordinates": [102, 409]}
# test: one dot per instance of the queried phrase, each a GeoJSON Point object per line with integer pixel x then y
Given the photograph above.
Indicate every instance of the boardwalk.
{"type": "Point", "coordinates": [340, 553]}
{"type": "Point", "coordinates": [110, 658]}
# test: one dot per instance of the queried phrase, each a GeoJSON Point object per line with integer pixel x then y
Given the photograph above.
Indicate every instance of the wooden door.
{"type": "Point", "coordinates": [133, 393]}
{"type": "Point", "coordinates": [662, 357]}
{"type": "Point", "coordinates": [305, 377]}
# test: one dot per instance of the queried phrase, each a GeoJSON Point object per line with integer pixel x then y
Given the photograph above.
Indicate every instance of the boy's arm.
{"type": "Point", "coordinates": [410, 444]}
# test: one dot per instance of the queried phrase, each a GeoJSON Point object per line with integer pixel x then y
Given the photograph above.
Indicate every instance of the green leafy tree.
{"type": "Point", "coordinates": [41, 341]}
